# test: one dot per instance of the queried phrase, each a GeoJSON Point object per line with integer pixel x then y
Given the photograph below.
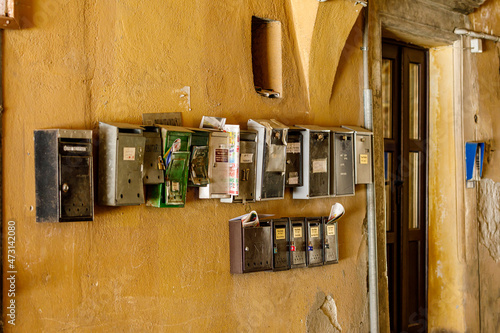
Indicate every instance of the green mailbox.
{"type": "Point", "coordinates": [176, 143]}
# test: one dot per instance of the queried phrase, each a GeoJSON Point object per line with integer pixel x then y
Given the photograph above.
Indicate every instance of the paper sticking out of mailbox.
{"type": "Point", "coordinates": [336, 212]}
{"type": "Point", "coordinates": [213, 122]}
{"type": "Point", "coordinates": [251, 219]}
{"type": "Point", "coordinates": [234, 160]}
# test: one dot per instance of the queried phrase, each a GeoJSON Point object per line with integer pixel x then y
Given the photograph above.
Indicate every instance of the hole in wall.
{"type": "Point", "coordinates": [266, 57]}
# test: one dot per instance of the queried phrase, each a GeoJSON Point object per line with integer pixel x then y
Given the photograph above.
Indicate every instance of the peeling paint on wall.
{"type": "Point", "coordinates": [489, 216]}
{"type": "Point", "coordinates": [323, 315]}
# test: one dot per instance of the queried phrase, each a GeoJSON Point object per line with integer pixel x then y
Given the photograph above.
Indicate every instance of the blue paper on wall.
{"type": "Point", "coordinates": [474, 155]}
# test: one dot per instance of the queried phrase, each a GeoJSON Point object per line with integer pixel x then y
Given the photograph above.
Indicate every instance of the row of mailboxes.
{"type": "Point", "coordinates": [314, 161]}
{"type": "Point", "coordinates": [282, 244]}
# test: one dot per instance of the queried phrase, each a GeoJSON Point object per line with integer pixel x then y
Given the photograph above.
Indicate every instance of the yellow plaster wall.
{"type": "Point", "coordinates": [137, 268]}
{"type": "Point", "coordinates": [446, 277]}
{"type": "Point", "coordinates": [486, 128]}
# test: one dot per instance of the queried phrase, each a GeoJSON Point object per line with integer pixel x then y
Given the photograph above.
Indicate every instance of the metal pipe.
{"type": "Point", "coordinates": [465, 32]}
{"type": "Point", "coordinates": [370, 189]}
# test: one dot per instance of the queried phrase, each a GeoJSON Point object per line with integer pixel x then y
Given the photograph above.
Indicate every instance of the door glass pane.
{"type": "Point", "coordinates": [414, 100]}
{"type": "Point", "coordinates": [387, 97]}
{"type": "Point", "coordinates": [413, 179]}
{"type": "Point", "coordinates": [388, 190]}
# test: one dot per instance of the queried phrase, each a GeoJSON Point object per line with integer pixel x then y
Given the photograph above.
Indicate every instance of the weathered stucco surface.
{"type": "Point", "coordinates": [446, 272]}
{"type": "Point", "coordinates": [486, 127]}
{"type": "Point", "coordinates": [136, 268]}
{"type": "Point", "coordinates": [488, 207]}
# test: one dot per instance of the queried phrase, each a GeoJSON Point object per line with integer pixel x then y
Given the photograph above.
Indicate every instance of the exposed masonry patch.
{"type": "Point", "coordinates": [323, 315]}
{"type": "Point", "coordinates": [488, 207]}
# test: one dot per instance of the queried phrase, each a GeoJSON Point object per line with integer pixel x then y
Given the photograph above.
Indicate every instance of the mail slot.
{"type": "Point", "coordinates": [153, 160]}
{"type": "Point", "coordinates": [281, 240]}
{"type": "Point", "coordinates": [297, 242]}
{"type": "Point", "coordinates": [363, 152]}
{"type": "Point", "coordinates": [342, 178]}
{"type": "Point", "coordinates": [314, 247]}
{"type": "Point", "coordinates": [331, 241]}
{"type": "Point", "coordinates": [316, 159]}
{"type": "Point", "coordinates": [121, 162]}
{"type": "Point", "coordinates": [176, 143]}
{"type": "Point", "coordinates": [218, 168]}
{"type": "Point", "coordinates": [247, 168]}
{"type": "Point", "coordinates": [198, 170]}
{"type": "Point", "coordinates": [63, 175]}
{"type": "Point", "coordinates": [294, 160]}
{"type": "Point", "coordinates": [272, 139]}
{"type": "Point", "coordinates": [251, 249]}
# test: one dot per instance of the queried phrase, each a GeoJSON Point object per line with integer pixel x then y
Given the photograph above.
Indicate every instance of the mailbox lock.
{"type": "Point", "coordinates": [320, 137]}
{"type": "Point", "coordinates": [65, 187]}
{"type": "Point", "coordinates": [292, 246]}
{"type": "Point", "coordinates": [310, 247]}
{"type": "Point", "coordinates": [247, 249]}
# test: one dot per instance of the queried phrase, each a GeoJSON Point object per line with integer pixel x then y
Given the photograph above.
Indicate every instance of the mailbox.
{"type": "Point", "coordinates": [330, 234]}
{"type": "Point", "coordinates": [250, 248]}
{"type": "Point", "coordinates": [363, 154]}
{"type": "Point", "coordinates": [198, 170]}
{"type": "Point", "coordinates": [247, 168]}
{"type": "Point", "coordinates": [153, 157]}
{"type": "Point", "coordinates": [314, 240]}
{"type": "Point", "coordinates": [176, 142]}
{"type": "Point", "coordinates": [63, 175]}
{"type": "Point", "coordinates": [281, 240]}
{"type": "Point", "coordinates": [342, 162]}
{"type": "Point", "coordinates": [271, 158]}
{"type": "Point", "coordinates": [316, 160]}
{"type": "Point", "coordinates": [218, 168]}
{"type": "Point", "coordinates": [294, 160]}
{"type": "Point", "coordinates": [121, 158]}
{"type": "Point", "coordinates": [297, 242]}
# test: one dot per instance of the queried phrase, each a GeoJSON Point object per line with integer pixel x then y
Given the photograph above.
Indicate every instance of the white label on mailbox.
{"type": "Point", "coordinates": [297, 232]}
{"type": "Point", "coordinates": [363, 159]}
{"type": "Point", "coordinates": [175, 187]}
{"type": "Point", "coordinates": [330, 230]}
{"type": "Point", "coordinates": [246, 158]}
{"type": "Point", "coordinates": [280, 233]}
{"type": "Point", "coordinates": [314, 232]}
{"type": "Point", "coordinates": [293, 148]}
{"type": "Point", "coordinates": [75, 148]}
{"type": "Point", "coordinates": [129, 153]}
{"type": "Point", "coordinates": [320, 166]}
{"type": "Point", "coordinates": [293, 178]}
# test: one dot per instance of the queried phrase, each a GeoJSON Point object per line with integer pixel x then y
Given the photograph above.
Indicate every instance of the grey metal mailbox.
{"type": "Point", "coordinates": [342, 162]}
{"type": "Point", "coordinates": [121, 162]}
{"type": "Point", "coordinates": [363, 152]}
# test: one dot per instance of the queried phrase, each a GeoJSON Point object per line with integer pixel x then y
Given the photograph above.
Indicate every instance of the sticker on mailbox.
{"type": "Point", "coordinates": [246, 158]}
{"type": "Point", "coordinates": [330, 230]}
{"type": "Point", "coordinates": [314, 232]}
{"type": "Point", "coordinates": [175, 186]}
{"type": "Point", "coordinates": [222, 155]}
{"type": "Point", "coordinates": [280, 233]}
{"type": "Point", "coordinates": [363, 159]}
{"type": "Point", "coordinates": [129, 153]}
{"type": "Point", "coordinates": [293, 178]}
{"type": "Point", "coordinates": [319, 166]}
{"type": "Point", "coordinates": [293, 148]}
{"type": "Point", "coordinates": [297, 232]}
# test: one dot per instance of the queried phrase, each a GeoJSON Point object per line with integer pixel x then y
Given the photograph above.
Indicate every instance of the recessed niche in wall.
{"type": "Point", "coordinates": [266, 57]}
